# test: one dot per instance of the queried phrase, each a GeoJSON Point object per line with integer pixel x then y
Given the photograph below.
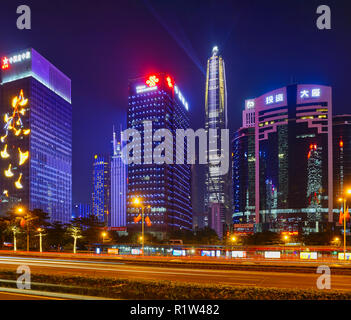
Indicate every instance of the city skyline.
{"type": "Point", "coordinates": [175, 154]}
{"type": "Point", "coordinates": [250, 72]}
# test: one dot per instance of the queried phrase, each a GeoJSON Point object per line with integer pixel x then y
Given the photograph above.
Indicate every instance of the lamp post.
{"type": "Point", "coordinates": [27, 217]}
{"type": "Point", "coordinates": [40, 230]}
{"type": "Point", "coordinates": [137, 202]}
{"type": "Point", "coordinates": [286, 239]}
{"type": "Point", "coordinates": [14, 230]}
{"type": "Point", "coordinates": [104, 234]}
{"type": "Point", "coordinates": [343, 199]}
{"type": "Point", "coordinates": [233, 240]}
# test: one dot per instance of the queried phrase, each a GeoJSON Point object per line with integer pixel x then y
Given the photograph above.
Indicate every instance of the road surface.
{"type": "Point", "coordinates": [22, 296]}
{"type": "Point", "coordinates": [120, 270]}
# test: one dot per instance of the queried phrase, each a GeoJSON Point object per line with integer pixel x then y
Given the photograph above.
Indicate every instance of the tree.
{"type": "Point", "coordinates": [91, 228]}
{"type": "Point", "coordinates": [15, 230]}
{"type": "Point", "coordinates": [56, 235]}
{"type": "Point", "coordinates": [4, 224]}
{"type": "Point", "coordinates": [76, 233]}
{"type": "Point", "coordinates": [186, 235]}
{"type": "Point", "coordinates": [206, 236]}
{"type": "Point", "coordinates": [267, 237]}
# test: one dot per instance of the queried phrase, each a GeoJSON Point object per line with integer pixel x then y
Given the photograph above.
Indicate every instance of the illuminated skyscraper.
{"type": "Point", "coordinates": [36, 135]}
{"type": "Point", "coordinates": [81, 210]}
{"type": "Point", "coordinates": [118, 213]}
{"type": "Point", "coordinates": [342, 156]}
{"type": "Point", "coordinates": [293, 160]}
{"type": "Point", "coordinates": [217, 186]}
{"type": "Point", "coordinates": [166, 188]}
{"type": "Point", "coordinates": [101, 188]}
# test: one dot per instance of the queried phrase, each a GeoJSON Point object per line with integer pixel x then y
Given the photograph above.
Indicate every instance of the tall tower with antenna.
{"type": "Point", "coordinates": [217, 193]}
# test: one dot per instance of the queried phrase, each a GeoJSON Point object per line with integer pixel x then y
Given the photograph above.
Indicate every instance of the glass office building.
{"type": "Point", "coordinates": [118, 213]}
{"type": "Point", "coordinates": [36, 142]}
{"type": "Point", "coordinates": [217, 186]}
{"type": "Point", "coordinates": [81, 210]}
{"type": "Point", "coordinates": [342, 156]}
{"type": "Point", "coordinates": [293, 160]}
{"type": "Point", "coordinates": [243, 171]}
{"type": "Point", "coordinates": [101, 188]}
{"type": "Point", "coordinates": [166, 188]}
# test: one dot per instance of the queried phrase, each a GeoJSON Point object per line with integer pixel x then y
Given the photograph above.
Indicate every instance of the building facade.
{"type": "Point", "coordinates": [342, 156]}
{"type": "Point", "coordinates": [164, 188]}
{"type": "Point", "coordinates": [81, 210]}
{"type": "Point", "coordinates": [101, 188]}
{"type": "Point", "coordinates": [217, 186]}
{"type": "Point", "coordinates": [118, 215]}
{"type": "Point", "coordinates": [293, 160]}
{"type": "Point", "coordinates": [36, 140]}
{"type": "Point", "coordinates": [243, 171]}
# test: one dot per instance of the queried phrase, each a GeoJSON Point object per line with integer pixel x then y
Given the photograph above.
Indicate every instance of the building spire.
{"type": "Point", "coordinates": [214, 51]}
{"type": "Point", "coordinates": [114, 141]}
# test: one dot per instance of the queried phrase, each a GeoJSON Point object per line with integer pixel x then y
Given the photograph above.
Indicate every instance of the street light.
{"type": "Point", "coordinates": [40, 230]}
{"type": "Point", "coordinates": [138, 203]}
{"type": "Point", "coordinates": [27, 217]}
{"type": "Point", "coordinates": [343, 199]}
{"type": "Point", "coordinates": [104, 234]}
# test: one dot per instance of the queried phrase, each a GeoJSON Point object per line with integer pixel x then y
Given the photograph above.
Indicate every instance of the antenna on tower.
{"type": "Point", "coordinates": [114, 141]}
{"type": "Point", "coordinates": [214, 50]}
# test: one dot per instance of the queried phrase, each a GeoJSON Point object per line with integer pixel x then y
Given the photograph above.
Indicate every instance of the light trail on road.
{"type": "Point", "coordinates": [185, 274]}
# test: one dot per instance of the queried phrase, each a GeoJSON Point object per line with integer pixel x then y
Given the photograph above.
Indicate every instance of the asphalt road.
{"type": "Point", "coordinates": [22, 296]}
{"type": "Point", "coordinates": [189, 275]}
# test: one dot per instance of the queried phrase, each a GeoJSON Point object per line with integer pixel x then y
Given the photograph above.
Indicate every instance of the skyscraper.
{"type": "Point", "coordinates": [118, 214]}
{"type": "Point", "coordinates": [81, 210]}
{"type": "Point", "coordinates": [101, 187]}
{"type": "Point", "coordinates": [217, 186]}
{"type": "Point", "coordinates": [166, 188]}
{"type": "Point", "coordinates": [293, 159]}
{"type": "Point", "coordinates": [36, 139]}
{"type": "Point", "coordinates": [341, 155]}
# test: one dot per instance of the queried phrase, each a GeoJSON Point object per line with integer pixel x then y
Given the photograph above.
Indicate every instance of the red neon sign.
{"type": "Point", "coordinates": [5, 63]}
{"type": "Point", "coordinates": [152, 81]}
{"type": "Point", "coordinates": [169, 82]}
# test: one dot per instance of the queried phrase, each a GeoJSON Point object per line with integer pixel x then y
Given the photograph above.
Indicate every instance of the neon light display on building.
{"type": "Point", "coordinates": [15, 158]}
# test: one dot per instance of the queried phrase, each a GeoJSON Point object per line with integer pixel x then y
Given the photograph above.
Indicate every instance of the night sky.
{"type": "Point", "coordinates": [102, 44]}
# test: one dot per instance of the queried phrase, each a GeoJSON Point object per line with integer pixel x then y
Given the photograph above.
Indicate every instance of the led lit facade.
{"type": "Point", "coordinates": [81, 210]}
{"type": "Point", "coordinates": [342, 156]}
{"type": "Point", "coordinates": [293, 160]}
{"type": "Point", "coordinates": [243, 171]}
{"type": "Point", "coordinates": [118, 214]}
{"type": "Point", "coordinates": [166, 188]}
{"type": "Point", "coordinates": [36, 137]}
{"type": "Point", "coordinates": [217, 186]}
{"type": "Point", "coordinates": [101, 187]}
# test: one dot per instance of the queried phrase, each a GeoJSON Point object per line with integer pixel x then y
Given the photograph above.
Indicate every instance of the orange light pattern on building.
{"type": "Point", "coordinates": [14, 125]}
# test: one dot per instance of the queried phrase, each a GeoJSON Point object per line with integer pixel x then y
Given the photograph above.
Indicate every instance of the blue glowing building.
{"type": "Point", "coordinates": [36, 137]}
{"type": "Point", "coordinates": [118, 214]}
{"type": "Point", "coordinates": [81, 210]}
{"type": "Point", "coordinates": [164, 188]}
{"type": "Point", "coordinates": [101, 187]}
